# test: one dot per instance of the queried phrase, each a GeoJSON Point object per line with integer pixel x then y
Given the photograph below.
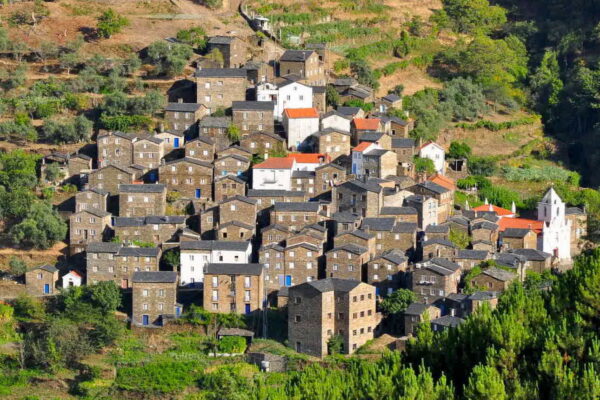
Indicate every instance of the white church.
{"type": "Point", "coordinates": [556, 230]}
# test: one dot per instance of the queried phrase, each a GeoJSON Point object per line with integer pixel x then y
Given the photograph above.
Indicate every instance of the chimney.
{"type": "Point", "coordinates": [452, 312]}
{"type": "Point", "coordinates": [180, 100]}
{"type": "Point", "coordinates": [490, 208]}
{"type": "Point", "coordinates": [513, 208]}
{"type": "Point", "coordinates": [486, 201]}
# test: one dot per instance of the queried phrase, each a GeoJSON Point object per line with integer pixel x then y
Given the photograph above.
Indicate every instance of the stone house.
{"type": "Point", "coordinates": [395, 126]}
{"type": "Point", "coordinates": [537, 260]}
{"type": "Point", "coordinates": [401, 214]}
{"type": "Point", "coordinates": [237, 288]}
{"type": "Point", "coordinates": [303, 181]}
{"type": "Point", "coordinates": [218, 88]}
{"type": "Point", "coordinates": [434, 279]}
{"type": "Point", "coordinates": [154, 298]}
{"type": "Point", "coordinates": [445, 322]}
{"type": "Point", "coordinates": [299, 125]}
{"type": "Point", "coordinates": [518, 238]}
{"type": "Point", "coordinates": [195, 256]}
{"type": "Point", "coordinates": [493, 279]}
{"type": "Point", "coordinates": [437, 231]}
{"type": "Point", "coordinates": [444, 197]}
{"type": "Point", "coordinates": [172, 140]}
{"type": "Point", "coordinates": [459, 223]}
{"type": "Point", "coordinates": [142, 200]}
{"type": "Point", "coordinates": [266, 198]}
{"type": "Point", "coordinates": [405, 149]}
{"type": "Point", "coordinates": [235, 230]}
{"type": "Point", "coordinates": [289, 265]}
{"type": "Point", "coordinates": [318, 310]}
{"type": "Point", "coordinates": [215, 128]}
{"type": "Point", "coordinates": [229, 186]}
{"type": "Point", "coordinates": [296, 214]}
{"type": "Point", "coordinates": [41, 281]}
{"type": "Point", "coordinates": [305, 64]}
{"type": "Point", "coordinates": [233, 49]}
{"type": "Point", "coordinates": [331, 141]}
{"type": "Point", "coordinates": [467, 259]}
{"type": "Point", "coordinates": [352, 112]}
{"type": "Point", "coordinates": [148, 151]}
{"type": "Point", "coordinates": [388, 102]}
{"type": "Point", "coordinates": [231, 164]}
{"type": "Point", "coordinates": [345, 221]}
{"type": "Point", "coordinates": [238, 208]}
{"type": "Point", "coordinates": [274, 234]}
{"type": "Point", "coordinates": [109, 178]}
{"type": "Point", "coordinates": [388, 236]}
{"type": "Point", "coordinates": [346, 261]}
{"type": "Point", "coordinates": [115, 148]}
{"type": "Point", "coordinates": [110, 261]}
{"type": "Point", "coordinates": [78, 164]}
{"type": "Point", "coordinates": [151, 229]}
{"type": "Point", "coordinates": [416, 313]}
{"type": "Point", "coordinates": [259, 71]}
{"type": "Point", "coordinates": [235, 150]}
{"type": "Point", "coordinates": [438, 248]}
{"type": "Point", "coordinates": [363, 197]}
{"type": "Point", "coordinates": [182, 117]}
{"type": "Point", "coordinates": [201, 148]}
{"type": "Point", "coordinates": [358, 237]}
{"type": "Point", "coordinates": [383, 140]}
{"type": "Point", "coordinates": [253, 116]}
{"type": "Point", "coordinates": [388, 272]}
{"type": "Point", "coordinates": [91, 199]}
{"type": "Point", "coordinates": [579, 227]}
{"type": "Point", "coordinates": [327, 176]}
{"type": "Point", "coordinates": [427, 209]}
{"type": "Point", "coordinates": [88, 226]}
{"type": "Point", "coordinates": [484, 230]}
{"type": "Point", "coordinates": [262, 143]}
{"type": "Point", "coordinates": [362, 126]}
{"type": "Point", "coordinates": [379, 163]}
{"type": "Point", "coordinates": [188, 176]}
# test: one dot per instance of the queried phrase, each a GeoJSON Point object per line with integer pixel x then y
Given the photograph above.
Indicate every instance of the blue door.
{"type": "Point", "coordinates": [176, 143]}
{"type": "Point", "coordinates": [178, 311]}
{"type": "Point", "coordinates": [288, 280]}
{"type": "Point", "coordinates": [145, 320]}
{"type": "Point", "coordinates": [47, 288]}
{"type": "Point", "coordinates": [152, 176]}
{"type": "Point", "coordinates": [377, 291]}
{"type": "Point", "coordinates": [247, 309]}
{"type": "Point", "coordinates": [198, 193]}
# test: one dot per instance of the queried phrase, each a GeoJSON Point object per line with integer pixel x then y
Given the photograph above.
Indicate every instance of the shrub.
{"type": "Point", "coordinates": [424, 165]}
{"type": "Point", "coordinates": [159, 377]}
{"type": "Point", "coordinates": [110, 22]}
{"type": "Point", "coordinates": [232, 344]}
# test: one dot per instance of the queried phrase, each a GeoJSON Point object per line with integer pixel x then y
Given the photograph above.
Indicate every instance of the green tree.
{"type": "Point", "coordinates": [53, 173]}
{"type": "Point", "coordinates": [335, 344]}
{"type": "Point", "coordinates": [216, 55]}
{"type": "Point", "coordinates": [18, 169]}
{"type": "Point", "coordinates": [17, 266]}
{"type": "Point", "coordinates": [332, 97]}
{"type": "Point", "coordinates": [485, 383]}
{"type": "Point", "coordinates": [105, 296]}
{"type": "Point", "coordinates": [169, 59]}
{"type": "Point", "coordinates": [464, 99]}
{"type": "Point", "coordinates": [474, 16]}
{"type": "Point", "coordinates": [546, 83]}
{"type": "Point", "coordinates": [398, 301]}
{"type": "Point", "coordinates": [233, 133]}
{"type": "Point", "coordinates": [110, 22]}
{"type": "Point", "coordinates": [425, 165]}
{"type": "Point", "coordinates": [460, 238]}
{"type": "Point", "coordinates": [459, 150]}
{"type": "Point", "coordinates": [41, 228]}
{"type": "Point", "coordinates": [172, 258]}
{"type": "Point", "coordinates": [363, 73]}
{"type": "Point", "coordinates": [195, 37]}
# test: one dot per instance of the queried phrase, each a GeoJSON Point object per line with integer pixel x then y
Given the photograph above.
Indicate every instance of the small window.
{"type": "Point", "coordinates": [297, 318]}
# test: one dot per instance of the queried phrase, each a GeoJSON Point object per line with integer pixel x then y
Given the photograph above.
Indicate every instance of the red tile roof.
{"type": "Point", "coordinates": [301, 112]}
{"type": "Point", "coordinates": [362, 146]}
{"type": "Point", "coordinates": [521, 223]}
{"type": "Point", "coordinates": [74, 273]}
{"type": "Point", "coordinates": [444, 181]}
{"type": "Point", "coordinates": [501, 212]}
{"type": "Point", "coordinates": [276, 163]}
{"type": "Point", "coordinates": [309, 158]}
{"type": "Point", "coordinates": [367, 124]}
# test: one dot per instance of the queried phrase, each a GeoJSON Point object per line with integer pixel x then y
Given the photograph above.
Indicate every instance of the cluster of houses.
{"type": "Point", "coordinates": [318, 211]}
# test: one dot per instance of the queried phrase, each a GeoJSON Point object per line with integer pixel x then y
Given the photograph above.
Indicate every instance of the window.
{"type": "Point", "coordinates": [145, 292]}
{"type": "Point", "coordinates": [297, 318]}
{"type": "Point", "coordinates": [298, 300]}
{"type": "Point", "coordinates": [160, 306]}
{"type": "Point", "coordinates": [215, 295]}
{"type": "Point", "coordinates": [375, 277]}
{"type": "Point", "coordinates": [111, 269]}
{"type": "Point", "coordinates": [309, 265]}
{"type": "Point", "coordinates": [291, 265]}
{"type": "Point", "coordinates": [144, 306]}
{"type": "Point", "coordinates": [246, 281]}
{"type": "Point", "coordinates": [215, 306]}
{"type": "Point", "coordinates": [246, 295]}
{"type": "Point", "coordinates": [233, 207]}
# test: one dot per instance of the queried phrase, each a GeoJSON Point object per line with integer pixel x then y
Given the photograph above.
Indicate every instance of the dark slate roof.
{"type": "Point", "coordinates": [232, 177]}
{"type": "Point", "coordinates": [221, 73]}
{"type": "Point", "coordinates": [236, 223]}
{"type": "Point", "coordinates": [303, 174]}
{"type": "Point", "coordinates": [297, 206]}
{"type": "Point", "coordinates": [215, 122]}
{"type": "Point", "coordinates": [437, 229]}
{"type": "Point", "coordinates": [398, 211]}
{"type": "Point", "coordinates": [392, 97]}
{"type": "Point", "coordinates": [95, 211]}
{"type": "Point", "coordinates": [459, 297]}
{"type": "Point", "coordinates": [188, 160]}
{"type": "Point", "coordinates": [296, 55]}
{"type": "Point", "coordinates": [103, 247]}
{"type": "Point", "coordinates": [344, 81]}
{"type": "Point", "coordinates": [486, 295]}
{"type": "Point", "coordinates": [172, 132]}
{"type": "Point", "coordinates": [155, 276]}
{"type": "Point", "coordinates": [403, 143]}
{"type": "Point", "coordinates": [378, 224]}
{"type": "Point", "coordinates": [376, 153]}
{"type": "Point", "coordinates": [149, 188]}
{"type": "Point", "coordinates": [460, 220]}
{"type": "Point", "coordinates": [316, 227]}
{"type": "Point", "coordinates": [345, 217]}
{"type": "Point", "coordinates": [239, 198]}
{"type": "Point", "coordinates": [253, 105]}
{"type": "Point", "coordinates": [416, 309]}
{"type": "Point", "coordinates": [309, 246]}
{"type": "Point", "coordinates": [574, 211]}
{"type": "Point", "coordinates": [405, 227]}
{"type": "Point", "coordinates": [120, 134]}
{"type": "Point", "coordinates": [444, 262]}
{"type": "Point", "coordinates": [150, 220]}
{"type": "Point", "coordinates": [389, 118]}
{"type": "Point", "coordinates": [441, 241]}
{"type": "Point", "coordinates": [182, 107]}
{"type": "Point", "coordinates": [327, 131]}
{"type": "Point", "coordinates": [499, 274]}
{"type": "Point", "coordinates": [472, 254]}
{"type": "Point", "coordinates": [350, 248]}
{"type": "Point", "coordinates": [48, 268]}
{"type": "Point", "coordinates": [275, 226]}
{"type": "Point", "coordinates": [359, 233]}
{"type": "Point", "coordinates": [509, 259]}
{"type": "Point", "coordinates": [448, 321]}
{"type": "Point", "coordinates": [518, 233]}
{"type": "Point", "coordinates": [395, 256]}
{"type": "Point", "coordinates": [434, 187]}
{"type": "Point", "coordinates": [152, 139]}
{"type": "Point", "coordinates": [274, 193]}
{"type": "Point", "coordinates": [274, 246]}
{"type": "Point", "coordinates": [234, 269]}
{"type": "Point", "coordinates": [221, 39]}
{"type": "Point", "coordinates": [336, 112]}
{"type": "Point", "coordinates": [138, 251]}
{"type": "Point", "coordinates": [371, 136]}
{"type": "Point", "coordinates": [80, 155]}
{"type": "Point", "coordinates": [417, 198]}
{"type": "Point", "coordinates": [332, 165]}
{"type": "Point", "coordinates": [348, 110]}
{"type": "Point", "coordinates": [330, 284]}
{"type": "Point", "coordinates": [532, 254]}
{"type": "Point", "coordinates": [485, 225]}
{"type": "Point", "coordinates": [284, 292]}
{"type": "Point", "coordinates": [269, 134]}
{"type": "Point", "coordinates": [223, 245]}
{"type": "Point", "coordinates": [234, 156]}
{"type": "Point", "coordinates": [369, 185]}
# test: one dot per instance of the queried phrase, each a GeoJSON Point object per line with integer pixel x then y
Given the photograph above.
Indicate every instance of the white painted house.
{"type": "Point", "coordinates": [299, 124]}
{"type": "Point", "coordinates": [275, 173]}
{"type": "Point", "coordinates": [196, 255]}
{"type": "Point", "coordinates": [287, 95]}
{"type": "Point", "coordinates": [357, 156]}
{"type": "Point", "coordinates": [72, 279]}
{"type": "Point", "coordinates": [435, 153]}
{"type": "Point", "coordinates": [336, 120]}
{"type": "Point", "coordinates": [556, 231]}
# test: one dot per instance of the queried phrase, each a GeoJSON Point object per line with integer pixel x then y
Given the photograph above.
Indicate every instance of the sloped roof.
{"type": "Point", "coordinates": [444, 181]}
{"type": "Point", "coordinates": [521, 223]}
{"type": "Point", "coordinates": [501, 212]}
{"type": "Point", "coordinates": [517, 233]}
{"type": "Point", "coordinates": [182, 107]}
{"type": "Point", "coordinates": [367, 124]}
{"type": "Point", "coordinates": [296, 55]}
{"type": "Point", "coordinates": [499, 274]}
{"type": "Point", "coordinates": [309, 158]}
{"type": "Point", "coordinates": [145, 188]}
{"type": "Point", "coordinates": [293, 113]}
{"type": "Point", "coordinates": [398, 211]}
{"type": "Point", "coordinates": [221, 73]}
{"type": "Point", "coordinates": [296, 206]}
{"type": "Point", "coordinates": [155, 276]}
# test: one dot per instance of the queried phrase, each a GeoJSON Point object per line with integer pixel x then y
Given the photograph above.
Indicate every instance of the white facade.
{"type": "Point", "coordinates": [357, 157]}
{"type": "Point", "coordinates": [270, 178]}
{"type": "Point", "coordinates": [336, 121]}
{"type": "Point", "coordinates": [299, 129]}
{"type": "Point", "coordinates": [291, 95]}
{"type": "Point", "coordinates": [556, 232]}
{"type": "Point", "coordinates": [194, 256]}
{"type": "Point", "coordinates": [72, 279]}
{"type": "Point", "coordinates": [435, 153]}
